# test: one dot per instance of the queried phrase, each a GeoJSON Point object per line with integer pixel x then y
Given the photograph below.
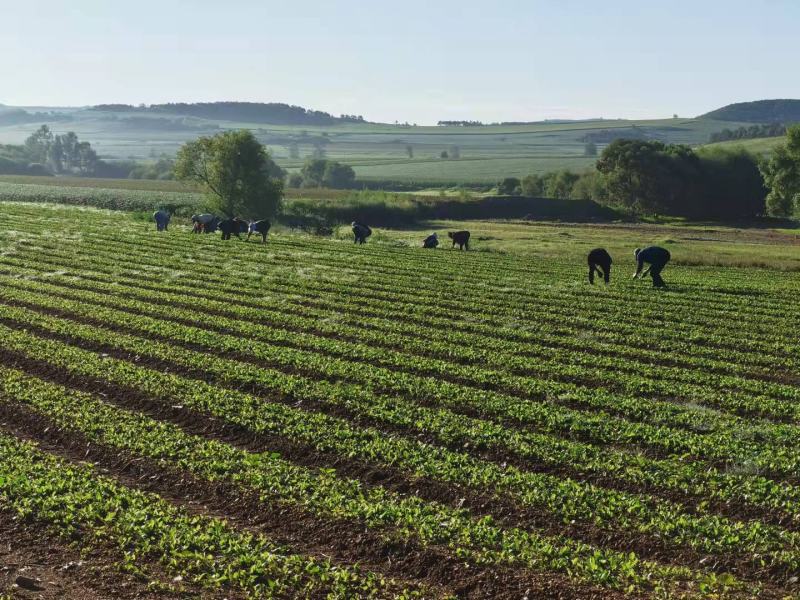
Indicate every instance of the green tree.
{"type": "Point", "coordinates": [590, 149]}
{"type": "Point", "coordinates": [510, 186]}
{"type": "Point", "coordinates": [559, 185]}
{"type": "Point", "coordinates": [648, 176]}
{"type": "Point", "coordinates": [69, 145]}
{"type": "Point", "coordinates": [782, 176]}
{"type": "Point", "coordinates": [318, 172]}
{"type": "Point", "coordinates": [338, 176]}
{"type": "Point", "coordinates": [589, 186]}
{"type": "Point", "coordinates": [532, 186]}
{"type": "Point", "coordinates": [313, 172]}
{"type": "Point", "coordinates": [38, 144]}
{"type": "Point", "coordinates": [295, 180]}
{"type": "Point", "coordinates": [733, 187]}
{"type": "Point", "coordinates": [234, 170]}
{"type": "Point", "coordinates": [410, 151]}
{"type": "Point", "coordinates": [56, 155]}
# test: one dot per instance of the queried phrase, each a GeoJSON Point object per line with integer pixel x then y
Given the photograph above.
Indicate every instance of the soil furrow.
{"type": "Point", "coordinates": [504, 510]}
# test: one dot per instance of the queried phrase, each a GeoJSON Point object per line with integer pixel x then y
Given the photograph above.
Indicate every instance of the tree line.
{"type": "Point", "coordinates": [647, 177]}
{"type": "Point", "coordinates": [748, 133]}
{"type": "Point", "coordinates": [650, 177]}
{"type": "Point", "coordinates": [249, 112]}
{"type": "Point", "coordinates": [460, 123]}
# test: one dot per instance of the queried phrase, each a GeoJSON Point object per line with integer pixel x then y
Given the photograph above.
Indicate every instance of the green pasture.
{"type": "Point", "coordinates": [689, 243]}
{"type": "Point", "coordinates": [381, 151]}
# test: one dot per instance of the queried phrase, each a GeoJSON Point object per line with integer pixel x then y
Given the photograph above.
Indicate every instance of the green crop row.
{"type": "Point", "coordinates": [742, 442]}
{"type": "Point", "coordinates": [80, 504]}
{"type": "Point", "coordinates": [324, 494]}
{"type": "Point", "coordinates": [516, 328]}
{"type": "Point", "coordinates": [367, 306]}
{"type": "Point", "coordinates": [566, 500]}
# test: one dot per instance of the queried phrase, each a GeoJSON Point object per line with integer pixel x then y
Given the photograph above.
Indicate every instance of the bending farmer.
{"type": "Point", "coordinates": [657, 258]}
{"type": "Point", "coordinates": [600, 261]}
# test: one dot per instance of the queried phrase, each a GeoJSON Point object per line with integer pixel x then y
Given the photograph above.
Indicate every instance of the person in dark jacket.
{"type": "Point", "coordinates": [361, 232]}
{"type": "Point", "coordinates": [233, 226]}
{"type": "Point", "coordinates": [657, 257]}
{"type": "Point", "coordinates": [261, 227]}
{"type": "Point", "coordinates": [600, 261]}
{"type": "Point", "coordinates": [205, 223]}
{"type": "Point", "coordinates": [459, 237]}
{"type": "Point", "coordinates": [431, 241]}
{"type": "Point", "coordinates": [161, 217]}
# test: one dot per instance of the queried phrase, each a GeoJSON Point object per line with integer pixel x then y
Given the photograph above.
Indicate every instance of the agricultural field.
{"type": "Point", "coordinates": [760, 146]}
{"type": "Point", "coordinates": [380, 152]}
{"type": "Point", "coordinates": [182, 416]}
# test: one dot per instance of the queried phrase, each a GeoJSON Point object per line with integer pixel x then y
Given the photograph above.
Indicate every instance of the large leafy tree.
{"type": "Point", "coordinates": [782, 176]}
{"type": "Point", "coordinates": [37, 145]}
{"type": "Point", "coordinates": [338, 176]}
{"type": "Point", "coordinates": [649, 176]}
{"type": "Point", "coordinates": [319, 172]}
{"type": "Point", "coordinates": [235, 171]}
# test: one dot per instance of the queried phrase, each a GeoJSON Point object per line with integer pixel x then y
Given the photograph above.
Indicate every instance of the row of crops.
{"type": "Point", "coordinates": [385, 422]}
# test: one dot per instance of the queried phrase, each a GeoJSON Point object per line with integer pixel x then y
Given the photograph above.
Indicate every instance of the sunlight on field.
{"type": "Point", "coordinates": [487, 409]}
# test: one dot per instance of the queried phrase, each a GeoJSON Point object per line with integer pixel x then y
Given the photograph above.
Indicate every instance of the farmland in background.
{"type": "Point", "coordinates": [379, 152]}
{"type": "Point", "coordinates": [760, 146]}
{"type": "Point", "coordinates": [313, 417]}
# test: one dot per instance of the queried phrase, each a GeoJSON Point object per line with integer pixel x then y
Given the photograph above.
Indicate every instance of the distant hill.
{"type": "Point", "coordinates": [245, 112]}
{"type": "Point", "coordinates": [759, 111]}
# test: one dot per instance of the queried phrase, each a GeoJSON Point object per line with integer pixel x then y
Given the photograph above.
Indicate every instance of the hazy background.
{"type": "Point", "coordinates": [419, 61]}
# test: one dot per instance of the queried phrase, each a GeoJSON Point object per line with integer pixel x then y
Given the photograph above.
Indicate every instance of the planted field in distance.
{"type": "Point", "coordinates": [383, 152]}
{"type": "Point", "coordinates": [308, 418]}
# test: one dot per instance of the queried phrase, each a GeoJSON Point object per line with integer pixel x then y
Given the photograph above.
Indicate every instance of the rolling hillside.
{"type": "Point", "coordinates": [759, 111]}
{"type": "Point", "coordinates": [377, 151]}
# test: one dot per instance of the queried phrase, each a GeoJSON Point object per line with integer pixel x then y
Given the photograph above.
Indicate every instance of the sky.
{"type": "Point", "coordinates": [415, 61]}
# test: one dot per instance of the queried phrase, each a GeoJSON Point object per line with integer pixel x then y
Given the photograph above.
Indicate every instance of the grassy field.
{"type": "Point", "coordinates": [760, 146]}
{"type": "Point", "coordinates": [314, 418]}
{"type": "Point", "coordinates": [690, 244]}
{"type": "Point", "coordinates": [301, 207]}
{"type": "Point", "coordinates": [380, 151]}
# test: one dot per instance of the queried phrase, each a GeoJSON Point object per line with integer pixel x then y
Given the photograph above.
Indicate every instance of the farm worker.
{"type": "Point", "coordinates": [600, 261]}
{"type": "Point", "coordinates": [234, 226]}
{"type": "Point", "coordinates": [431, 241]}
{"type": "Point", "coordinates": [657, 257]}
{"type": "Point", "coordinates": [205, 223]}
{"type": "Point", "coordinates": [161, 217]}
{"type": "Point", "coordinates": [361, 232]}
{"type": "Point", "coordinates": [459, 237]}
{"type": "Point", "coordinates": [260, 227]}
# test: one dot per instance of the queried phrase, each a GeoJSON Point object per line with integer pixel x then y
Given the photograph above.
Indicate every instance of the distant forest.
{"type": "Point", "coordinates": [760, 111]}
{"type": "Point", "coordinates": [246, 112]}
{"type": "Point", "coordinates": [18, 116]}
{"type": "Point", "coordinates": [748, 133]}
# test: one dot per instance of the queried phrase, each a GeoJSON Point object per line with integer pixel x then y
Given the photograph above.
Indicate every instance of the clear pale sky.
{"type": "Point", "coordinates": [412, 60]}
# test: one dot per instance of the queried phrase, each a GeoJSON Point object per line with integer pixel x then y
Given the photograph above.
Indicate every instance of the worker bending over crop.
{"type": "Point", "coordinates": [600, 261]}
{"type": "Point", "coordinates": [657, 258]}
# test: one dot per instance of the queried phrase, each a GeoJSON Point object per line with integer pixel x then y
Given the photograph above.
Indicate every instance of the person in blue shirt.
{"type": "Point", "coordinates": [657, 257]}
{"type": "Point", "coordinates": [431, 241]}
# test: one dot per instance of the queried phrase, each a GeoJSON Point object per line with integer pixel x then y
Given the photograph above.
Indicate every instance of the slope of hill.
{"type": "Point", "coordinates": [379, 152]}
{"type": "Point", "coordinates": [761, 146]}
{"type": "Point", "coordinates": [250, 112]}
{"type": "Point", "coordinates": [759, 111]}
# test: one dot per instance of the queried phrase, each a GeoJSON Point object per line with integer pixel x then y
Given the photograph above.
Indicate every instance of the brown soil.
{"type": "Point", "coordinates": [505, 511]}
{"type": "Point", "coordinates": [30, 553]}
{"type": "Point", "coordinates": [342, 541]}
{"type": "Point", "coordinates": [731, 508]}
